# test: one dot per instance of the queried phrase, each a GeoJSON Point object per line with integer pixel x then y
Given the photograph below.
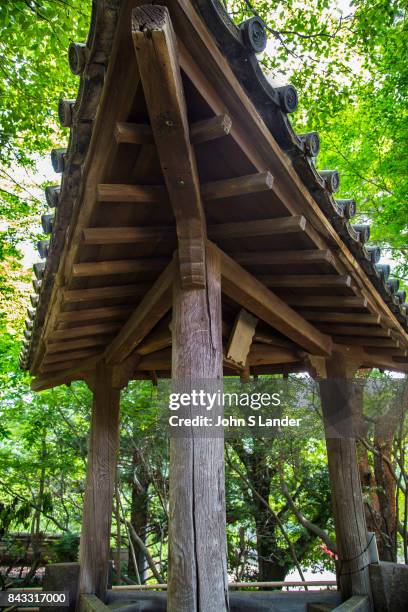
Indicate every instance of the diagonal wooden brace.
{"type": "Point", "coordinates": [156, 51]}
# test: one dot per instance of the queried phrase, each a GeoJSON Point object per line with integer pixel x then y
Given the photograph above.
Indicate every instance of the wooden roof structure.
{"type": "Point", "coordinates": [203, 157]}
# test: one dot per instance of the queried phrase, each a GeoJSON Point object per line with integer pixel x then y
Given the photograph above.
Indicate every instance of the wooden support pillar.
{"type": "Point", "coordinates": [347, 500]}
{"type": "Point", "coordinates": [100, 483]}
{"type": "Point", "coordinates": [197, 530]}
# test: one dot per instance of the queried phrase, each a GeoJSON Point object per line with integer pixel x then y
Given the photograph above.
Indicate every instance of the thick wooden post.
{"type": "Point", "coordinates": [347, 500]}
{"type": "Point", "coordinates": [197, 530]}
{"type": "Point", "coordinates": [100, 483]}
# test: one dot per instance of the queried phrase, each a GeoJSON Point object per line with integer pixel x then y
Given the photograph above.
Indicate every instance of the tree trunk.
{"type": "Point", "coordinates": [139, 514]}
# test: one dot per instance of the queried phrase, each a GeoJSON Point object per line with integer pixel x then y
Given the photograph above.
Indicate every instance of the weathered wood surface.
{"type": "Point", "coordinates": [247, 291]}
{"type": "Point", "coordinates": [151, 309]}
{"type": "Point", "coordinates": [201, 131]}
{"type": "Point", "coordinates": [306, 280]}
{"type": "Point", "coordinates": [91, 603]}
{"type": "Point", "coordinates": [242, 185]}
{"type": "Point", "coordinates": [241, 337]}
{"type": "Point", "coordinates": [282, 258]}
{"type": "Point", "coordinates": [102, 293]}
{"type": "Point", "coordinates": [347, 500]}
{"type": "Point", "coordinates": [106, 268]}
{"type": "Point", "coordinates": [157, 56]}
{"type": "Point", "coordinates": [210, 71]}
{"type": "Point", "coordinates": [100, 483]}
{"type": "Point", "coordinates": [354, 604]}
{"type": "Point", "coordinates": [197, 538]}
{"type": "Point", "coordinates": [252, 229]}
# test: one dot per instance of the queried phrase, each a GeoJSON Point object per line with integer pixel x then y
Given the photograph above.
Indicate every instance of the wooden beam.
{"type": "Point", "coordinates": [131, 193]}
{"type": "Point", "coordinates": [158, 339]}
{"type": "Point", "coordinates": [341, 317]}
{"type": "Point", "coordinates": [247, 291]}
{"type": "Point", "coordinates": [209, 70]}
{"type": "Point", "coordinates": [386, 352]}
{"type": "Point", "coordinates": [127, 235]}
{"type": "Point", "coordinates": [241, 338]}
{"type": "Point", "coordinates": [133, 133]}
{"type": "Point", "coordinates": [282, 258]}
{"type": "Point", "coordinates": [266, 337]}
{"type": "Point", "coordinates": [73, 345]}
{"type": "Point", "coordinates": [45, 381]}
{"type": "Point", "coordinates": [242, 185]}
{"type": "Point", "coordinates": [201, 131]}
{"type": "Point", "coordinates": [148, 313]}
{"type": "Point", "coordinates": [61, 366]}
{"type": "Point", "coordinates": [261, 354]}
{"type": "Point", "coordinates": [157, 360]}
{"type": "Point", "coordinates": [325, 301]}
{"type": "Point", "coordinates": [253, 229]}
{"type": "Point", "coordinates": [71, 355]}
{"type": "Point", "coordinates": [306, 280]}
{"type": "Point", "coordinates": [157, 56]}
{"type": "Point", "coordinates": [366, 341]}
{"type": "Point", "coordinates": [84, 330]}
{"type": "Point", "coordinates": [92, 314]}
{"type": "Point", "coordinates": [357, 330]}
{"type": "Point", "coordinates": [102, 293]}
{"type": "Point", "coordinates": [100, 485]}
{"type": "Point", "coordinates": [197, 562]}
{"type": "Point", "coordinates": [106, 268]}
{"type": "Point", "coordinates": [210, 129]}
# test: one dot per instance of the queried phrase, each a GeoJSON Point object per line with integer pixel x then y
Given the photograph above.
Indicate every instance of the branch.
{"type": "Point", "coordinates": [275, 516]}
{"type": "Point", "coordinates": [312, 527]}
{"type": "Point", "coordinates": [145, 551]}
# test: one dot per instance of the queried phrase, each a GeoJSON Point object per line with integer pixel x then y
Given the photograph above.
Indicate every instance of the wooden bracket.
{"type": "Point", "coordinates": [157, 55]}
{"type": "Point", "coordinates": [122, 372]}
{"type": "Point", "coordinates": [240, 340]}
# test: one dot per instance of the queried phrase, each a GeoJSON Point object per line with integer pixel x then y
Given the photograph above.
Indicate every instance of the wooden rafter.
{"type": "Point", "coordinates": [201, 131]}
{"type": "Point", "coordinates": [157, 56]}
{"type": "Point", "coordinates": [148, 313]}
{"type": "Point", "coordinates": [247, 291]}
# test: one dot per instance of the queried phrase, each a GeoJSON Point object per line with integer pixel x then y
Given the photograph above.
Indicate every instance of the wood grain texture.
{"type": "Point", "coordinates": [131, 193]}
{"type": "Point", "coordinates": [148, 313]}
{"type": "Point", "coordinates": [102, 293]}
{"type": "Point", "coordinates": [197, 537]}
{"type": "Point", "coordinates": [247, 291]}
{"type": "Point", "coordinates": [325, 301]}
{"type": "Point", "coordinates": [306, 280]}
{"type": "Point", "coordinates": [241, 337]}
{"type": "Point", "coordinates": [106, 268]}
{"type": "Point", "coordinates": [200, 131]}
{"type": "Point", "coordinates": [157, 56]}
{"type": "Point", "coordinates": [127, 235]}
{"type": "Point", "coordinates": [281, 258]}
{"type": "Point", "coordinates": [263, 227]}
{"type": "Point", "coordinates": [347, 500]}
{"type": "Point", "coordinates": [100, 483]}
{"type": "Point", "coordinates": [341, 317]}
{"type": "Point", "coordinates": [241, 185]}
{"type": "Point", "coordinates": [92, 314]}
